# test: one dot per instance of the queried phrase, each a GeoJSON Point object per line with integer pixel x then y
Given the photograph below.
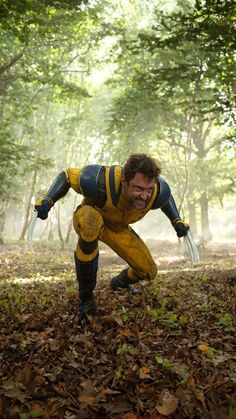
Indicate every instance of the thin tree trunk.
{"type": "Point", "coordinates": [59, 230]}
{"type": "Point", "coordinates": [192, 217]}
{"type": "Point", "coordinates": [68, 232]}
{"type": "Point", "coordinates": [50, 233]}
{"type": "Point", "coordinates": [205, 225]}
{"type": "Point", "coordinates": [3, 213]}
{"type": "Point", "coordinates": [29, 207]}
{"type": "Point", "coordinates": [71, 222]}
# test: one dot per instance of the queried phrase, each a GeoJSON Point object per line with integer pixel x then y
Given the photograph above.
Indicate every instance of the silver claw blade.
{"type": "Point", "coordinates": [31, 228]}
{"type": "Point", "coordinates": [192, 248]}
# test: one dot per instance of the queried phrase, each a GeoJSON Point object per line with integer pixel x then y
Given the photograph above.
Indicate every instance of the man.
{"type": "Point", "coordinates": [114, 198]}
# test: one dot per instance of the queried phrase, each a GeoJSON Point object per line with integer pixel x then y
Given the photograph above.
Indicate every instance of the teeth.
{"type": "Point", "coordinates": [192, 248]}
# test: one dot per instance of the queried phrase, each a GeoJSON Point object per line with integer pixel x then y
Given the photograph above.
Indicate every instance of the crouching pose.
{"type": "Point", "coordinates": [114, 198]}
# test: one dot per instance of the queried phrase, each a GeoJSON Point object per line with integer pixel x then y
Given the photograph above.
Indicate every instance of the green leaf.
{"type": "Point", "coordinates": [154, 314]}
{"type": "Point", "coordinates": [183, 320]}
{"type": "Point", "coordinates": [210, 352]}
{"type": "Point", "coordinates": [118, 374]}
{"type": "Point", "coordinates": [35, 414]}
{"type": "Point", "coordinates": [165, 362]}
{"type": "Point", "coordinates": [232, 414]}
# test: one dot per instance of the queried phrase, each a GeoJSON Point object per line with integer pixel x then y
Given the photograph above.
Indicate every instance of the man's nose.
{"type": "Point", "coordinates": [144, 195]}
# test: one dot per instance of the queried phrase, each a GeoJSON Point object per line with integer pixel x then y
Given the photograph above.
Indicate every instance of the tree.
{"type": "Point", "coordinates": [180, 81]}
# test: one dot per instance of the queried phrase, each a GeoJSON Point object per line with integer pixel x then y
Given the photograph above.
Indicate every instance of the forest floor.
{"type": "Point", "coordinates": [168, 351]}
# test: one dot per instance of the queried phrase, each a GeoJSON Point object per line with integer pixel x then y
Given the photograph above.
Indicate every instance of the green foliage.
{"type": "Point", "coordinates": [167, 87]}
{"type": "Point", "coordinates": [118, 375]}
{"type": "Point", "coordinates": [125, 314]}
{"type": "Point", "coordinates": [10, 156]}
{"type": "Point", "coordinates": [123, 349]}
{"type": "Point", "coordinates": [224, 319]}
{"type": "Point", "coordinates": [210, 352]}
{"type": "Point", "coordinates": [232, 414]}
{"type": "Point", "coordinates": [164, 362]}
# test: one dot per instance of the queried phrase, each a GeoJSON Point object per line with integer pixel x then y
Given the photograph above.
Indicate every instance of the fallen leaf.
{"type": "Point", "coordinates": [87, 400]}
{"type": "Point", "coordinates": [222, 358]}
{"type": "Point", "coordinates": [88, 387]}
{"type": "Point", "coordinates": [129, 415]}
{"type": "Point", "coordinates": [145, 370]}
{"type": "Point", "coordinates": [143, 373]}
{"type": "Point", "coordinates": [167, 403]}
{"type": "Point", "coordinates": [203, 348]}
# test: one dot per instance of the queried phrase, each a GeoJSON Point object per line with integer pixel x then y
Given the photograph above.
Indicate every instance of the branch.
{"type": "Point", "coordinates": [222, 140]}
{"type": "Point", "coordinates": [11, 63]}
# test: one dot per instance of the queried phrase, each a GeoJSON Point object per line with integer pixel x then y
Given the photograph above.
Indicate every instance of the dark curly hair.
{"type": "Point", "coordinates": [143, 164]}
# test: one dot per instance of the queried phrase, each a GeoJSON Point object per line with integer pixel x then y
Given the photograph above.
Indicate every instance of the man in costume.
{"type": "Point", "coordinates": [114, 198]}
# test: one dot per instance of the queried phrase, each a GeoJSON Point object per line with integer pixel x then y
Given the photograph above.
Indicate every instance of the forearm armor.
{"type": "Point", "coordinates": [170, 210]}
{"type": "Point", "coordinates": [59, 188]}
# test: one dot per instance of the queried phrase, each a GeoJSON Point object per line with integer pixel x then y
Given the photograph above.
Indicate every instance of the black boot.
{"type": "Point", "coordinates": [86, 275]}
{"type": "Point", "coordinates": [121, 281]}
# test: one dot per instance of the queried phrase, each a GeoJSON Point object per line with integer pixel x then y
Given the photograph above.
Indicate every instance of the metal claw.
{"type": "Point", "coordinates": [192, 248]}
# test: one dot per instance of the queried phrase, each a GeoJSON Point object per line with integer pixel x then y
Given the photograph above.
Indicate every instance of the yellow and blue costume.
{"type": "Point", "coordinates": [105, 214]}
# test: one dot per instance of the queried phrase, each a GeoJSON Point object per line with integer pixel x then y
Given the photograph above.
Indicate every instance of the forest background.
{"type": "Point", "coordinates": [93, 81]}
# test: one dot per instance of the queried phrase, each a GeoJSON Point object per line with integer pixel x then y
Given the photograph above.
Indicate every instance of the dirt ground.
{"type": "Point", "coordinates": [167, 351]}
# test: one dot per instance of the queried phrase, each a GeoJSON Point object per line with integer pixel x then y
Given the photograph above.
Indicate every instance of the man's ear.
{"type": "Point", "coordinates": [123, 181]}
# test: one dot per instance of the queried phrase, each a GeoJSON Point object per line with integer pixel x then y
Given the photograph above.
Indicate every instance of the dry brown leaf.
{"type": "Point", "coordinates": [126, 333]}
{"type": "Point", "coordinates": [46, 355]}
{"type": "Point", "coordinates": [222, 358]}
{"type": "Point", "coordinates": [39, 409]}
{"type": "Point", "coordinates": [88, 387]}
{"type": "Point", "coordinates": [87, 400]}
{"type": "Point", "coordinates": [28, 374]}
{"type": "Point", "coordinates": [203, 348]}
{"type": "Point", "coordinates": [16, 394]}
{"type": "Point", "coordinates": [167, 403]}
{"type": "Point", "coordinates": [145, 370]}
{"type": "Point", "coordinates": [118, 320]}
{"type": "Point", "coordinates": [143, 373]}
{"type": "Point", "coordinates": [129, 415]}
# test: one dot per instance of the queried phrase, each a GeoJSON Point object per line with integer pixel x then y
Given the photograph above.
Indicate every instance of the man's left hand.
{"type": "Point", "coordinates": [181, 228]}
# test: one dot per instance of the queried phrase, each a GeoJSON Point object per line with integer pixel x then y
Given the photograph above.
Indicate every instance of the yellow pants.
{"type": "Point", "coordinates": [88, 224]}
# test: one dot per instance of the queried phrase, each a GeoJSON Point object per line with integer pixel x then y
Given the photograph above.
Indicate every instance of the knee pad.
{"type": "Point", "coordinates": [88, 223]}
{"type": "Point", "coordinates": [152, 273]}
{"type": "Point", "coordinates": [148, 273]}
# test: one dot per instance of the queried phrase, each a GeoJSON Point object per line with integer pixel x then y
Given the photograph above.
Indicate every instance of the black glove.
{"type": "Point", "coordinates": [180, 227]}
{"type": "Point", "coordinates": [43, 207]}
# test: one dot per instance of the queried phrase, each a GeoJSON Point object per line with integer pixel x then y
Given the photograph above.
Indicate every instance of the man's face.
{"type": "Point", "coordinates": [138, 190]}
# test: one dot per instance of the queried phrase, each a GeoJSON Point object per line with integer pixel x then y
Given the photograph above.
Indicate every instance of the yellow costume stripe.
{"type": "Point", "coordinates": [73, 177]}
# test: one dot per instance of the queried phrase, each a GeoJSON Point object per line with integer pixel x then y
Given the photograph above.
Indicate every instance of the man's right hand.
{"type": "Point", "coordinates": [43, 207]}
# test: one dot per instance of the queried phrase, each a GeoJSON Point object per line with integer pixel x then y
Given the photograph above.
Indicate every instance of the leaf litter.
{"type": "Point", "coordinates": [168, 351]}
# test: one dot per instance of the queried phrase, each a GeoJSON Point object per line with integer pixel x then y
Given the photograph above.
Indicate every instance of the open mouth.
{"type": "Point", "coordinates": [140, 203]}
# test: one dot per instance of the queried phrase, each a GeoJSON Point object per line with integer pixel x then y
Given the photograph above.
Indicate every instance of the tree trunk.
{"type": "Point", "coordinates": [192, 217]}
{"type": "Point", "coordinates": [50, 233]}
{"type": "Point", "coordinates": [59, 227]}
{"type": "Point", "coordinates": [3, 213]}
{"type": "Point", "coordinates": [68, 232]}
{"type": "Point", "coordinates": [71, 222]}
{"type": "Point", "coordinates": [205, 226]}
{"type": "Point", "coordinates": [28, 214]}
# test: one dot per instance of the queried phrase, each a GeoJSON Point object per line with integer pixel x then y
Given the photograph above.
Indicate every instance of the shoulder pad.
{"type": "Point", "coordinates": [163, 195]}
{"type": "Point", "coordinates": [115, 183]}
{"type": "Point", "coordinates": [88, 180]}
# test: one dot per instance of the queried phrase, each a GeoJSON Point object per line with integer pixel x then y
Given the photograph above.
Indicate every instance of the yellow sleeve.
{"type": "Point", "coordinates": [74, 179]}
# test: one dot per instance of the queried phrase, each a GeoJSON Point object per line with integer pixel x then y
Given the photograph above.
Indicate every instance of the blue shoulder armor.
{"type": "Point", "coordinates": [163, 195]}
{"type": "Point", "coordinates": [88, 180]}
